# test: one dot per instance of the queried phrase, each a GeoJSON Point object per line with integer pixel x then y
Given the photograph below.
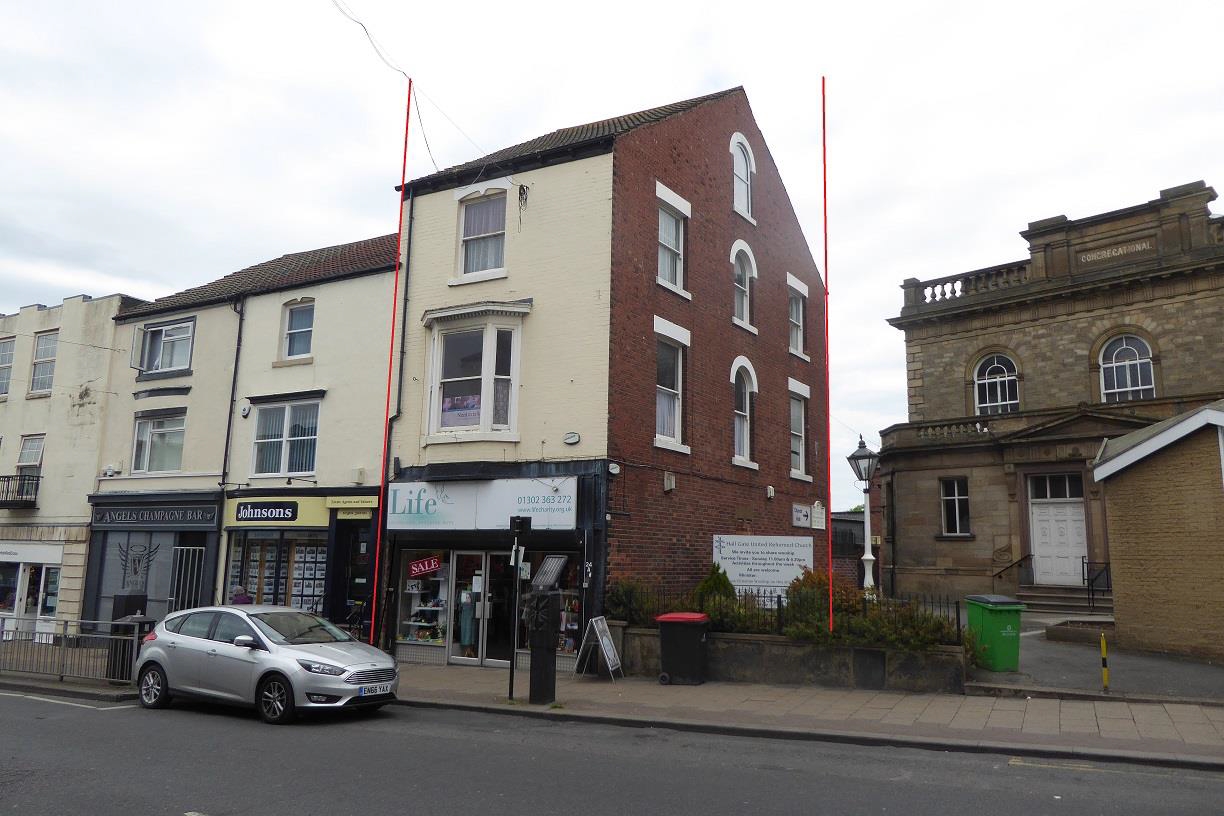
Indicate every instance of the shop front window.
{"type": "Point", "coordinates": [8, 586]}
{"type": "Point", "coordinates": [50, 592]}
{"type": "Point", "coordinates": [424, 592]}
{"type": "Point", "coordinates": [569, 633]}
{"type": "Point", "coordinates": [287, 568]}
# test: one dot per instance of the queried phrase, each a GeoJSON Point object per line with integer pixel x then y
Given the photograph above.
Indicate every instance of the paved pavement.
{"type": "Point", "coordinates": [1170, 733]}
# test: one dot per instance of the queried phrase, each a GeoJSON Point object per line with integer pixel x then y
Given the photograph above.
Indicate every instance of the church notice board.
{"type": "Point", "coordinates": [597, 637]}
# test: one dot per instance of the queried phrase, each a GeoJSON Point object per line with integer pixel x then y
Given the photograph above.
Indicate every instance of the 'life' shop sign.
{"type": "Point", "coordinates": [550, 503]}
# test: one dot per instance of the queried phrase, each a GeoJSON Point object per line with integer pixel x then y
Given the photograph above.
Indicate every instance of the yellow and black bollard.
{"type": "Point", "coordinates": [1104, 664]}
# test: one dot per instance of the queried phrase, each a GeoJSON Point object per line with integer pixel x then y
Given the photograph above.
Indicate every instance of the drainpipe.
{"type": "Point", "coordinates": [239, 306]}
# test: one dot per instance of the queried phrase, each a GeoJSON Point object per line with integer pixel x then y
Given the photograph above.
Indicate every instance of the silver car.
{"type": "Point", "coordinates": [278, 659]}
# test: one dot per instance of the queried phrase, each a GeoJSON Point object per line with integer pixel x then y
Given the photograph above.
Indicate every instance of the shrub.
{"type": "Point", "coordinates": [631, 601]}
{"type": "Point", "coordinates": [714, 590]}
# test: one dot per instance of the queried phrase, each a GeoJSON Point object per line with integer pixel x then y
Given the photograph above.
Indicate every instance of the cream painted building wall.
{"type": "Point", "coordinates": [558, 256]}
{"type": "Point", "coordinates": [206, 403]}
{"type": "Point", "coordinates": [70, 417]}
{"type": "Point", "coordinates": [348, 361]}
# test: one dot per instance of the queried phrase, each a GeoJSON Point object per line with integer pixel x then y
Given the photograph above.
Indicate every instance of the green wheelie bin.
{"type": "Point", "coordinates": [995, 622]}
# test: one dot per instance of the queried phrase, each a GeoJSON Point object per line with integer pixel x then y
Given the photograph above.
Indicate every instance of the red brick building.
{"type": "Point", "coordinates": [614, 329]}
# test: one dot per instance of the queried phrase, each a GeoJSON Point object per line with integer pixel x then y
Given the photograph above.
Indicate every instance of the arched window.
{"type": "Point", "coordinates": [743, 417]}
{"type": "Point", "coordinates": [743, 287]}
{"type": "Point", "coordinates": [743, 166]}
{"type": "Point", "coordinates": [743, 180]}
{"type": "Point", "coordinates": [996, 386]}
{"type": "Point", "coordinates": [744, 385]}
{"type": "Point", "coordinates": [1126, 370]}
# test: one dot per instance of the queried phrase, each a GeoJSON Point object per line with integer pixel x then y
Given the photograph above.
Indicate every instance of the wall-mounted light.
{"type": "Point", "coordinates": [245, 411]}
{"type": "Point", "coordinates": [572, 438]}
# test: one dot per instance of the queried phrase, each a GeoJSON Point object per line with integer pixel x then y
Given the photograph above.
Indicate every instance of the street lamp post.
{"type": "Point", "coordinates": [864, 462]}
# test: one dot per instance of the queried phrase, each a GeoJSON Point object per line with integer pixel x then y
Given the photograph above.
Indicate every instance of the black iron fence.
{"type": "Point", "coordinates": [801, 613]}
{"type": "Point", "coordinates": [19, 491]}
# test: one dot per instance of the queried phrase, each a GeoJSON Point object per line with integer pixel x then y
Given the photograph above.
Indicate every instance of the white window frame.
{"type": "Point", "coordinates": [742, 365]}
{"type": "Point", "coordinates": [679, 338]}
{"type": "Point", "coordinates": [143, 467]}
{"type": "Point", "coordinates": [472, 194]}
{"type": "Point", "coordinates": [799, 289]}
{"type": "Point", "coordinates": [956, 498]}
{"type": "Point", "coordinates": [803, 393]}
{"type": "Point", "coordinates": [739, 147]}
{"type": "Point", "coordinates": [44, 361]}
{"type": "Point", "coordinates": [740, 247]}
{"type": "Point", "coordinates": [285, 439]}
{"type": "Point", "coordinates": [8, 347]}
{"type": "Point", "coordinates": [146, 345]}
{"type": "Point", "coordinates": [675, 206]}
{"type": "Point", "coordinates": [1140, 364]}
{"type": "Point", "coordinates": [291, 307]}
{"type": "Point", "coordinates": [999, 384]}
{"type": "Point", "coordinates": [485, 430]}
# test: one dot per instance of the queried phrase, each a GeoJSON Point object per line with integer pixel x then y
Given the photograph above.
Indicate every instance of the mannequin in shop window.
{"type": "Point", "coordinates": [467, 623]}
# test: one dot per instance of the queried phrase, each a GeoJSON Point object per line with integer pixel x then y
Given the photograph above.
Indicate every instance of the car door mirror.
{"type": "Point", "coordinates": [246, 641]}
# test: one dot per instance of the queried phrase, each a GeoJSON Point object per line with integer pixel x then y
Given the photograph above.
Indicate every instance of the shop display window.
{"type": "Point", "coordinates": [8, 586]}
{"type": "Point", "coordinates": [424, 589]}
{"type": "Point", "coordinates": [284, 567]}
{"type": "Point", "coordinates": [569, 634]}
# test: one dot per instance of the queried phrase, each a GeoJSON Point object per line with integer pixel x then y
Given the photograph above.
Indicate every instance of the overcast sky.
{"type": "Point", "coordinates": [148, 146]}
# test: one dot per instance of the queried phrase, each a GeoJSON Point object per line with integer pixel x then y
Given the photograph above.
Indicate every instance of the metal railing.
{"type": "Point", "coordinates": [87, 650]}
{"type": "Point", "coordinates": [19, 491]}
{"type": "Point", "coordinates": [1097, 577]}
{"type": "Point", "coordinates": [1024, 569]}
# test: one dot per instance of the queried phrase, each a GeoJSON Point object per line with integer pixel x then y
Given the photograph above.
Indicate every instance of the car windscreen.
{"type": "Point", "coordinates": [297, 627]}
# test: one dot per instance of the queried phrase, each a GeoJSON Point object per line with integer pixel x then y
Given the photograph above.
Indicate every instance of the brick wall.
{"type": "Point", "coordinates": [668, 535]}
{"type": "Point", "coordinates": [1165, 516]}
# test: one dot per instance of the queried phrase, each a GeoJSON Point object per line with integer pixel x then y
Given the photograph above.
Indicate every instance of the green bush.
{"type": "Point", "coordinates": [631, 601]}
{"type": "Point", "coordinates": [715, 589]}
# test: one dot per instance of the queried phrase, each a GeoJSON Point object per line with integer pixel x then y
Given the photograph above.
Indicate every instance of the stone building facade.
{"type": "Point", "coordinates": [1017, 372]}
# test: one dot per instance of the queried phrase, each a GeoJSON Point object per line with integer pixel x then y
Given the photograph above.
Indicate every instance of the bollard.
{"type": "Point", "coordinates": [1104, 664]}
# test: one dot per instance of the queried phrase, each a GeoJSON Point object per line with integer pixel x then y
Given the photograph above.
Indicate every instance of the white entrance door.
{"type": "Point", "coordinates": [1057, 536]}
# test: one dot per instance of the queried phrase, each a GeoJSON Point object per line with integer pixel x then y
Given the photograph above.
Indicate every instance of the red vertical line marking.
{"type": "Point", "coordinates": [382, 479]}
{"type": "Point", "coordinates": [824, 168]}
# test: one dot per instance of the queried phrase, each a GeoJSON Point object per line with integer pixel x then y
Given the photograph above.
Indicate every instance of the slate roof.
{"type": "Point", "coordinates": [560, 141]}
{"type": "Point", "coordinates": [285, 272]}
{"type": "Point", "coordinates": [1113, 448]}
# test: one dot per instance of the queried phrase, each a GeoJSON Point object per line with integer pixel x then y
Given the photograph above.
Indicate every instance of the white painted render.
{"type": "Point", "coordinates": [558, 255]}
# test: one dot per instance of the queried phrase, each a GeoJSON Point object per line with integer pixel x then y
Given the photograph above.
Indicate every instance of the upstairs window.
{"type": "Point", "coordinates": [743, 273]}
{"type": "Point", "coordinates": [743, 417]}
{"type": "Point", "coordinates": [484, 234]}
{"type": "Point", "coordinates": [797, 306]}
{"type": "Point", "coordinates": [159, 444]}
{"type": "Point", "coordinates": [475, 385]}
{"type": "Point", "coordinates": [743, 167]}
{"type": "Point", "coordinates": [671, 248]}
{"type": "Point", "coordinates": [285, 439]}
{"type": "Point", "coordinates": [43, 372]}
{"type": "Point", "coordinates": [668, 380]}
{"type": "Point", "coordinates": [1126, 370]}
{"type": "Point", "coordinates": [798, 435]}
{"type": "Point", "coordinates": [744, 388]}
{"type": "Point", "coordinates": [299, 329]}
{"type": "Point", "coordinates": [6, 364]}
{"type": "Point", "coordinates": [167, 348]}
{"type": "Point", "coordinates": [29, 466]}
{"type": "Point", "coordinates": [996, 386]}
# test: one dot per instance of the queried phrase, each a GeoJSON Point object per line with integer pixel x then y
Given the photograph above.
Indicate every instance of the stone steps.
{"type": "Point", "coordinates": [1072, 600]}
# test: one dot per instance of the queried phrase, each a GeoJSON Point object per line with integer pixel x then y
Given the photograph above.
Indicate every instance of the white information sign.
{"type": "Point", "coordinates": [551, 503]}
{"type": "Point", "coordinates": [753, 562]}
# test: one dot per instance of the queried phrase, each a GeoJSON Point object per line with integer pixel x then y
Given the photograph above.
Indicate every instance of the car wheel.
{"type": "Point", "coordinates": [274, 699]}
{"type": "Point", "coordinates": [154, 691]}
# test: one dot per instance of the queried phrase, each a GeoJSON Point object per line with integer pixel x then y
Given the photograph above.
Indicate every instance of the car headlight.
{"type": "Point", "coordinates": [315, 667]}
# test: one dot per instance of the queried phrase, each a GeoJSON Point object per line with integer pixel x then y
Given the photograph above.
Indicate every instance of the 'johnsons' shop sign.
{"type": "Point", "coordinates": [550, 502]}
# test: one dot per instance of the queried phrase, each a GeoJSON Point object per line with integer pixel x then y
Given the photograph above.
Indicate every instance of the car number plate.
{"type": "Point", "coordinates": [381, 688]}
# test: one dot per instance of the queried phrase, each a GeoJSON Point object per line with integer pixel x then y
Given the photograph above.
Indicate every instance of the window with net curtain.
{"type": "Point", "coordinates": [1126, 370]}
{"type": "Point", "coordinates": [667, 391]}
{"type": "Point", "coordinates": [996, 385]}
{"type": "Point", "coordinates": [285, 438]}
{"type": "Point", "coordinates": [484, 234]}
{"type": "Point", "coordinates": [743, 416]}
